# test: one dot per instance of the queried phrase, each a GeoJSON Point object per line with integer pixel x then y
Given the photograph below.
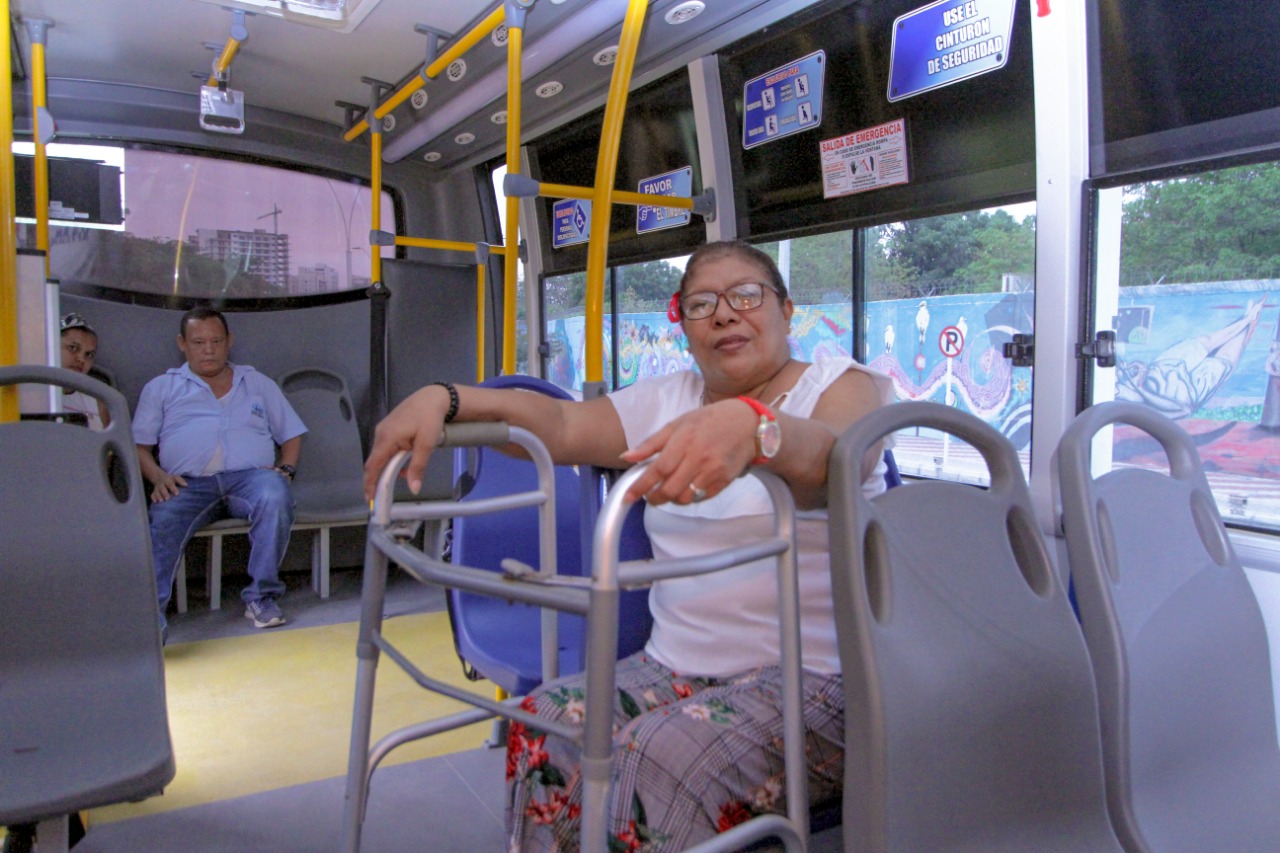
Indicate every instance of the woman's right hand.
{"type": "Point", "coordinates": [414, 425]}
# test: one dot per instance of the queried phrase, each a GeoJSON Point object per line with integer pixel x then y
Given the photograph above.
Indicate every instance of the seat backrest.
{"type": "Point", "coordinates": [892, 479]}
{"type": "Point", "coordinates": [331, 468]}
{"type": "Point", "coordinates": [83, 720]}
{"type": "Point", "coordinates": [489, 637]}
{"type": "Point", "coordinates": [483, 541]}
{"type": "Point", "coordinates": [500, 640]}
{"type": "Point", "coordinates": [1178, 644]}
{"type": "Point", "coordinates": [970, 716]}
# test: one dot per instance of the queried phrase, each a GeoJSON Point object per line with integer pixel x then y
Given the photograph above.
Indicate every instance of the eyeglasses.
{"type": "Point", "coordinates": [74, 321]}
{"type": "Point", "coordinates": [747, 296]}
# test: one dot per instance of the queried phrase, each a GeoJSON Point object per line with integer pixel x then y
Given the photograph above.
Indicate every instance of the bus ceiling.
{"type": "Point", "coordinates": [321, 67]}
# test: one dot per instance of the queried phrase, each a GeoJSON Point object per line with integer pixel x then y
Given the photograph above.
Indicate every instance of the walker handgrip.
{"type": "Point", "coordinates": [484, 434]}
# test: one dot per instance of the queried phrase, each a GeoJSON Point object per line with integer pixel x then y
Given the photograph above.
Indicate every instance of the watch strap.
{"type": "Point", "coordinates": [766, 417]}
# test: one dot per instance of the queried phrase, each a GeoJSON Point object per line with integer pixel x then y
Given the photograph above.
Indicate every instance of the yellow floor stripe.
{"type": "Point", "coordinates": [257, 713]}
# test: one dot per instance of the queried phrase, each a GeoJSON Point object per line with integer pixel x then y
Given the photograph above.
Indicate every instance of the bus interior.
{"type": "Point", "coordinates": [1017, 209]}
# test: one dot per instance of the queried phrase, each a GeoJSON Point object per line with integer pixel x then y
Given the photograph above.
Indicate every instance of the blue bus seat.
{"type": "Point", "coordinates": [970, 714]}
{"type": "Point", "coordinates": [496, 639]}
{"type": "Point", "coordinates": [891, 476]}
{"type": "Point", "coordinates": [1178, 643]}
{"type": "Point", "coordinates": [83, 717]}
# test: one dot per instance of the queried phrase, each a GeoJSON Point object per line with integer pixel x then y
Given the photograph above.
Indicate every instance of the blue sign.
{"type": "Point", "coordinates": [783, 101]}
{"type": "Point", "coordinates": [571, 222]}
{"type": "Point", "coordinates": [946, 42]}
{"type": "Point", "coordinates": [653, 218]}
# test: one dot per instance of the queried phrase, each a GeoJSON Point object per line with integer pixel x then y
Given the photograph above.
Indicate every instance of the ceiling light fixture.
{"type": "Point", "coordinates": [340, 15]}
{"type": "Point", "coordinates": [572, 33]}
{"type": "Point", "coordinates": [684, 12]}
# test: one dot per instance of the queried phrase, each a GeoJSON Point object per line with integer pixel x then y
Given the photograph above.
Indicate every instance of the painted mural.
{"type": "Point", "coordinates": [906, 347]}
{"type": "Point", "coordinates": [1209, 357]}
{"type": "Point", "coordinates": [1217, 374]}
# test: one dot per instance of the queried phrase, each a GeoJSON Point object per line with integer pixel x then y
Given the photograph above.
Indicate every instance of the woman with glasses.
{"type": "Point", "coordinates": [698, 715]}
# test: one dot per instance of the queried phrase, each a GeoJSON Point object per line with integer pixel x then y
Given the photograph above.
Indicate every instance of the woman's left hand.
{"type": "Point", "coordinates": [695, 456]}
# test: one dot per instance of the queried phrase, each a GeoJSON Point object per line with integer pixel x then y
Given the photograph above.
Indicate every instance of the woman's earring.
{"type": "Point", "coordinates": [673, 308]}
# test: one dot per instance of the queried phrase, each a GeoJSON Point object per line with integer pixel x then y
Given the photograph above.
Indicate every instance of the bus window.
{"type": "Point", "coordinates": [217, 229]}
{"type": "Point", "coordinates": [818, 272]}
{"type": "Point", "coordinates": [943, 297]}
{"type": "Point", "coordinates": [1187, 275]}
{"type": "Point", "coordinates": [648, 344]}
{"type": "Point", "coordinates": [564, 318]}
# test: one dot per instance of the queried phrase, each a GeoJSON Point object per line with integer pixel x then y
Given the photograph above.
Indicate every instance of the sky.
{"type": "Point", "coordinates": [168, 196]}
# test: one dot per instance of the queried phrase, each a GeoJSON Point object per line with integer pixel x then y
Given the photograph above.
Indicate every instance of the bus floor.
{"type": "Point", "coordinates": [260, 722]}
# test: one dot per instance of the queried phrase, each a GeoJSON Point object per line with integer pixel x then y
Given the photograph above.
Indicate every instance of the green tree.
{"type": "Point", "coordinates": [820, 268]}
{"type": "Point", "coordinates": [962, 252]}
{"type": "Point", "coordinates": [564, 295]}
{"type": "Point", "coordinates": [1003, 245]}
{"type": "Point", "coordinates": [1219, 225]}
{"type": "Point", "coordinates": [646, 286]}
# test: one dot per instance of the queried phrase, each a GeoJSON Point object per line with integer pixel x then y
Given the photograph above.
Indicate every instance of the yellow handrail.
{"type": "Point", "coordinates": [39, 99]}
{"type": "Point", "coordinates": [8, 242]}
{"type": "Point", "coordinates": [480, 288]}
{"type": "Point", "coordinates": [619, 196]}
{"type": "Point", "coordinates": [511, 257]}
{"type": "Point", "coordinates": [602, 201]}
{"type": "Point", "coordinates": [447, 245]}
{"type": "Point", "coordinates": [375, 203]}
{"type": "Point", "coordinates": [479, 31]}
{"type": "Point", "coordinates": [229, 51]}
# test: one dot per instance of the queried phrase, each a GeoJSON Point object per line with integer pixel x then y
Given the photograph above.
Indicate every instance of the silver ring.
{"type": "Point", "coordinates": [698, 494]}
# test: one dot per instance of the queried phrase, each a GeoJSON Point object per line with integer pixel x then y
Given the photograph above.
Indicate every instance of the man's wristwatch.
{"type": "Point", "coordinates": [290, 471]}
{"type": "Point", "coordinates": [768, 432]}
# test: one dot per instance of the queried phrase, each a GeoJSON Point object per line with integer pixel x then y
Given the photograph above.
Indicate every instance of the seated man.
{"type": "Point", "coordinates": [217, 425]}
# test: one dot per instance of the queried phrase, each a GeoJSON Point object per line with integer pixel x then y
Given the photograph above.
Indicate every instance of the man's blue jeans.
{"type": "Point", "coordinates": [261, 495]}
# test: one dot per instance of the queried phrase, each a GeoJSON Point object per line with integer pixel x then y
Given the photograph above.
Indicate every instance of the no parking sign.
{"type": "Point", "coordinates": [951, 341]}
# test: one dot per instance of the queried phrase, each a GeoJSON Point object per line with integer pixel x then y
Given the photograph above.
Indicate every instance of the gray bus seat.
{"type": "Point", "coordinates": [83, 721]}
{"type": "Point", "coordinates": [1178, 644]}
{"type": "Point", "coordinates": [329, 489]}
{"type": "Point", "coordinates": [971, 721]}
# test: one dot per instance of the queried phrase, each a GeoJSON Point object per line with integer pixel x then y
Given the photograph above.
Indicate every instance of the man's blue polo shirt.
{"type": "Point", "coordinates": [178, 412]}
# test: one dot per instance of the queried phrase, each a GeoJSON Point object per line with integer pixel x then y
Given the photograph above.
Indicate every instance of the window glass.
{"type": "Point", "coordinates": [1186, 272]}
{"type": "Point", "coordinates": [211, 228]}
{"type": "Point", "coordinates": [943, 297]}
{"type": "Point", "coordinates": [649, 344]}
{"type": "Point", "coordinates": [818, 272]}
{"type": "Point", "coordinates": [497, 176]}
{"type": "Point", "coordinates": [564, 312]}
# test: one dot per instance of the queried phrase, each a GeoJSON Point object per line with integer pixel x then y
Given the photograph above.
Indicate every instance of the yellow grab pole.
{"type": "Point", "coordinates": [355, 131]}
{"type": "Point", "coordinates": [8, 242]}
{"type": "Point", "coordinates": [239, 35]}
{"type": "Point", "coordinates": [602, 202]}
{"type": "Point", "coordinates": [468, 41]}
{"type": "Point", "coordinates": [461, 46]}
{"type": "Point", "coordinates": [375, 203]}
{"type": "Point", "coordinates": [619, 196]}
{"type": "Point", "coordinates": [399, 97]}
{"type": "Point", "coordinates": [428, 243]}
{"type": "Point", "coordinates": [229, 51]}
{"type": "Point", "coordinates": [511, 257]}
{"type": "Point", "coordinates": [480, 274]}
{"type": "Point", "coordinates": [40, 168]}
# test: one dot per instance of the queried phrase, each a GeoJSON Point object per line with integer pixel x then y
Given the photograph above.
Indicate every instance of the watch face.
{"type": "Point", "coordinates": [769, 436]}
